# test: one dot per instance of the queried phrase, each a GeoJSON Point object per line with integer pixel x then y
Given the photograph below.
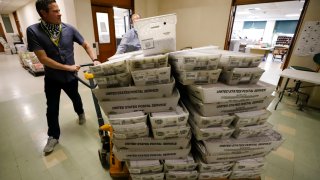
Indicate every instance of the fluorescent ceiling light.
{"type": "Point", "coordinates": [292, 15]}
{"type": "Point", "coordinates": [254, 9]}
{"type": "Point", "coordinates": [243, 12]}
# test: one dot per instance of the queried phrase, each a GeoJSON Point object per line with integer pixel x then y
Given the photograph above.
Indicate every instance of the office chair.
{"type": "Point", "coordinates": [279, 51]}
{"type": "Point", "coordinates": [297, 87]}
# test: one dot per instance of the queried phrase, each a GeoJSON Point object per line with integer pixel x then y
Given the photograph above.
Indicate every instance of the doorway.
{"type": "Point", "coordinates": [266, 28]}
{"type": "Point", "coordinates": [110, 23]}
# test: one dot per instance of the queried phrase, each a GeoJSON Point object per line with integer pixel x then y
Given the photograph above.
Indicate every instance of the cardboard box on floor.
{"type": "Point", "coordinates": [221, 92]}
{"type": "Point", "coordinates": [146, 105]}
{"type": "Point", "coordinates": [214, 175]}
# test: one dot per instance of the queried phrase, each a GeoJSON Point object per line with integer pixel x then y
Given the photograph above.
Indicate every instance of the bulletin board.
{"type": "Point", "coordinates": [309, 41]}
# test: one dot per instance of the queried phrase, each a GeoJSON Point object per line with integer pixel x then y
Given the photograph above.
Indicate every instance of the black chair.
{"type": "Point", "coordinates": [297, 88]}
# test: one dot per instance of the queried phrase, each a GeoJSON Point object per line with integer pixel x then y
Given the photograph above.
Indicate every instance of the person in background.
{"type": "Point", "coordinates": [130, 41]}
{"type": "Point", "coordinates": [52, 42]}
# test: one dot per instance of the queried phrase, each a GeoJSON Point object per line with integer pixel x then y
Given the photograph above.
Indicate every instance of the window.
{"type": "Point", "coordinates": [285, 27]}
{"type": "Point", "coordinates": [254, 24]}
{"type": "Point", "coordinates": [7, 23]}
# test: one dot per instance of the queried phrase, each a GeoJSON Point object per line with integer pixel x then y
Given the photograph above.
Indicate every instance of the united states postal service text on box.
{"type": "Point", "coordinates": [135, 92]}
{"type": "Point", "coordinates": [220, 92]}
{"type": "Point", "coordinates": [142, 154]}
{"type": "Point", "coordinates": [148, 143]}
{"type": "Point", "coordinates": [157, 34]}
{"type": "Point", "coordinates": [146, 105]}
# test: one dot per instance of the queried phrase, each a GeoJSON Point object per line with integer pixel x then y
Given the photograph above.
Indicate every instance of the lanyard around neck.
{"type": "Point", "coordinates": [54, 40]}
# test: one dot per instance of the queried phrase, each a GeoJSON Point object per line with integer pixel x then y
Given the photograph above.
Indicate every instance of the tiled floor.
{"type": "Point", "coordinates": [23, 134]}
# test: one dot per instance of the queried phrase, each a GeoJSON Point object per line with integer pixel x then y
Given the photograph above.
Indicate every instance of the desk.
{"type": "Point", "coordinates": [260, 50]}
{"type": "Point", "coordinates": [305, 76]}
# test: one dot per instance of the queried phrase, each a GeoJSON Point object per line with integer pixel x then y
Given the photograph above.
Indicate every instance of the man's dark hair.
{"type": "Point", "coordinates": [43, 5]}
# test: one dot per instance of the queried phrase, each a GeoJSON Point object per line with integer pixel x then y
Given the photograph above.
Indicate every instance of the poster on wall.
{"type": "Point", "coordinates": [309, 41]}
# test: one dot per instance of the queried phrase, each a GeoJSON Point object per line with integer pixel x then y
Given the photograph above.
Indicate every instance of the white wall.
{"type": "Point", "coordinates": [268, 31]}
{"type": "Point", "coordinates": [199, 23]}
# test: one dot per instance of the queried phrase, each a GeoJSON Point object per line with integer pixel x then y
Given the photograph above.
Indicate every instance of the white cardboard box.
{"type": "Point", "coordinates": [213, 175]}
{"type": "Point", "coordinates": [220, 92]}
{"type": "Point", "coordinates": [171, 132]}
{"type": "Point", "coordinates": [146, 105]}
{"type": "Point", "coordinates": [230, 60]}
{"type": "Point", "coordinates": [135, 92]}
{"type": "Point", "coordinates": [250, 164]}
{"type": "Point", "coordinates": [194, 61]}
{"type": "Point", "coordinates": [141, 62]}
{"type": "Point", "coordinates": [251, 118]}
{"type": "Point", "coordinates": [152, 144]}
{"type": "Point", "coordinates": [187, 164]}
{"type": "Point", "coordinates": [241, 75]}
{"type": "Point", "coordinates": [265, 143]}
{"type": "Point", "coordinates": [144, 167]}
{"type": "Point", "coordinates": [213, 167]}
{"type": "Point", "coordinates": [117, 80]}
{"type": "Point", "coordinates": [152, 176]}
{"type": "Point", "coordinates": [151, 76]}
{"type": "Point", "coordinates": [245, 174]}
{"type": "Point", "coordinates": [113, 67]}
{"type": "Point", "coordinates": [177, 175]}
{"type": "Point", "coordinates": [151, 155]}
{"type": "Point", "coordinates": [127, 118]}
{"type": "Point", "coordinates": [157, 34]}
{"type": "Point", "coordinates": [198, 77]}
{"type": "Point", "coordinates": [224, 108]}
{"type": "Point", "coordinates": [211, 121]}
{"type": "Point", "coordinates": [210, 133]}
{"type": "Point", "coordinates": [137, 133]}
{"type": "Point", "coordinates": [179, 117]}
{"type": "Point", "coordinates": [251, 131]}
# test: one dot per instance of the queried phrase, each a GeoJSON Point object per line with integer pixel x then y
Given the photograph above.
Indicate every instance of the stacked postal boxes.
{"type": "Point", "coordinates": [138, 94]}
{"type": "Point", "coordinates": [228, 118]}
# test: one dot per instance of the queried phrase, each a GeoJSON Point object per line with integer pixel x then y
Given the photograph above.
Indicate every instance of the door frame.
{"type": "Point", "coordinates": [247, 2]}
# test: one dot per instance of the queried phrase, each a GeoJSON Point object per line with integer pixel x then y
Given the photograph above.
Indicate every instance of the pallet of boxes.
{"type": "Point", "coordinates": [31, 63]}
{"type": "Point", "coordinates": [228, 118]}
{"type": "Point", "coordinates": [137, 93]}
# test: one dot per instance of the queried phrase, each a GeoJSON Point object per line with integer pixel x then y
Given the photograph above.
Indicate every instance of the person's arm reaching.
{"type": "Point", "coordinates": [45, 60]}
{"type": "Point", "coordinates": [89, 51]}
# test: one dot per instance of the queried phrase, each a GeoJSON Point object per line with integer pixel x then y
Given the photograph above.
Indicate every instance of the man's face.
{"type": "Point", "coordinates": [53, 16]}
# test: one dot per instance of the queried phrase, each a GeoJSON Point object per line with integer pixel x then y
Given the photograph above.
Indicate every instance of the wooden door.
{"type": "Point", "coordinates": [4, 37]}
{"type": "Point", "coordinates": [104, 32]}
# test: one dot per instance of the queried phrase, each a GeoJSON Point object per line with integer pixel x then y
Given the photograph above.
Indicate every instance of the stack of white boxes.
{"type": "Point", "coordinates": [29, 61]}
{"type": "Point", "coordinates": [228, 120]}
{"type": "Point", "coordinates": [149, 124]}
